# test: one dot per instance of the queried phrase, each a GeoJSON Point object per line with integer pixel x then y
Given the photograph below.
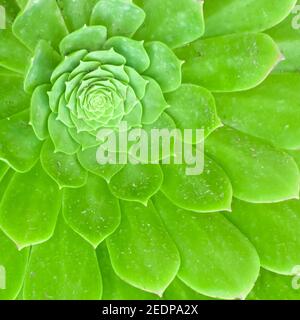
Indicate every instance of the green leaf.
{"type": "Point", "coordinates": [164, 122]}
{"type": "Point", "coordinates": [64, 169]}
{"type": "Point", "coordinates": [61, 137]}
{"type": "Point", "coordinates": [229, 63]}
{"type": "Point", "coordinates": [40, 20]}
{"type": "Point", "coordinates": [88, 160]}
{"type": "Point", "coordinates": [89, 38]}
{"type": "Point", "coordinates": [216, 259]}
{"type": "Point", "coordinates": [65, 259]}
{"type": "Point", "coordinates": [272, 286]}
{"type": "Point", "coordinates": [40, 111]}
{"type": "Point", "coordinates": [258, 172]}
{"type": "Point", "coordinates": [57, 90]}
{"type": "Point", "coordinates": [21, 3]}
{"type": "Point", "coordinates": [42, 65]}
{"type": "Point", "coordinates": [287, 36]}
{"type": "Point", "coordinates": [113, 287]}
{"type": "Point", "coordinates": [137, 82]}
{"type": "Point", "coordinates": [92, 211]}
{"type": "Point", "coordinates": [13, 97]}
{"type": "Point", "coordinates": [174, 23]}
{"type": "Point", "coordinates": [206, 192]}
{"type": "Point", "coordinates": [177, 290]}
{"type": "Point", "coordinates": [13, 54]}
{"type": "Point", "coordinates": [153, 102]}
{"type": "Point", "coordinates": [6, 176]}
{"type": "Point", "coordinates": [12, 268]}
{"type": "Point", "coordinates": [274, 231]}
{"type": "Point", "coordinates": [164, 67]}
{"type": "Point", "coordinates": [141, 251]}
{"type": "Point", "coordinates": [69, 63]}
{"type": "Point", "coordinates": [19, 146]}
{"type": "Point", "coordinates": [11, 11]}
{"type": "Point", "coordinates": [250, 111]}
{"type": "Point", "coordinates": [136, 182]}
{"type": "Point", "coordinates": [3, 169]}
{"type": "Point", "coordinates": [70, 10]}
{"type": "Point", "coordinates": [33, 220]}
{"type": "Point", "coordinates": [193, 107]}
{"type": "Point", "coordinates": [130, 17]}
{"type": "Point", "coordinates": [106, 57]}
{"type": "Point", "coordinates": [235, 16]}
{"type": "Point", "coordinates": [133, 51]}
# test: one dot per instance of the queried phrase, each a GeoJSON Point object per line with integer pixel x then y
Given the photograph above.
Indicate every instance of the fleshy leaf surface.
{"type": "Point", "coordinates": [229, 63]}
{"type": "Point", "coordinates": [64, 169]}
{"type": "Point", "coordinates": [258, 171]}
{"type": "Point", "coordinates": [193, 107]}
{"type": "Point", "coordinates": [76, 13]}
{"type": "Point", "coordinates": [150, 263]}
{"type": "Point", "coordinates": [65, 259]}
{"type": "Point", "coordinates": [113, 287]}
{"type": "Point", "coordinates": [130, 17]}
{"type": "Point", "coordinates": [13, 97]}
{"type": "Point", "coordinates": [250, 111]}
{"type": "Point", "coordinates": [19, 146]}
{"type": "Point", "coordinates": [206, 192]}
{"type": "Point", "coordinates": [182, 24]}
{"type": "Point", "coordinates": [40, 20]}
{"type": "Point", "coordinates": [272, 286]}
{"type": "Point", "coordinates": [88, 160]}
{"type": "Point", "coordinates": [136, 182]}
{"type": "Point", "coordinates": [234, 16]}
{"type": "Point", "coordinates": [216, 259]}
{"type": "Point", "coordinates": [274, 231]}
{"type": "Point", "coordinates": [92, 211]}
{"type": "Point", "coordinates": [12, 268]}
{"type": "Point", "coordinates": [38, 201]}
{"type": "Point", "coordinates": [13, 54]}
{"type": "Point", "coordinates": [164, 67]}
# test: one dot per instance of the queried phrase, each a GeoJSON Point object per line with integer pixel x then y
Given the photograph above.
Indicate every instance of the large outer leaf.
{"type": "Point", "coordinates": [258, 172]}
{"type": "Point", "coordinates": [76, 13]}
{"type": "Point", "coordinates": [65, 267]}
{"type": "Point", "coordinates": [274, 231]}
{"type": "Point", "coordinates": [40, 20]}
{"type": "Point", "coordinates": [113, 287]}
{"type": "Point", "coordinates": [287, 36]}
{"type": "Point", "coordinates": [272, 286]}
{"type": "Point", "coordinates": [229, 63]}
{"type": "Point", "coordinates": [64, 169]}
{"type": "Point", "coordinates": [129, 17]}
{"type": "Point", "coordinates": [164, 67]}
{"type": "Point", "coordinates": [136, 182]}
{"type": "Point", "coordinates": [29, 207]}
{"type": "Point", "coordinates": [141, 251]}
{"type": "Point", "coordinates": [177, 290]}
{"type": "Point", "coordinates": [216, 259]}
{"type": "Point", "coordinates": [208, 192]}
{"type": "Point", "coordinates": [230, 16]}
{"type": "Point", "coordinates": [13, 54]}
{"type": "Point", "coordinates": [12, 268]}
{"type": "Point", "coordinates": [41, 67]}
{"type": "Point", "coordinates": [92, 210]}
{"type": "Point", "coordinates": [193, 107]}
{"type": "Point", "coordinates": [270, 111]}
{"type": "Point", "coordinates": [19, 146]}
{"type": "Point", "coordinates": [13, 98]}
{"type": "Point", "coordinates": [11, 11]}
{"type": "Point", "coordinates": [182, 24]}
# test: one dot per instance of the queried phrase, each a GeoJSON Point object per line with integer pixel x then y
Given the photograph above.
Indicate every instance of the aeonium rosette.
{"type": "Point", "coordinates": [72, 228]}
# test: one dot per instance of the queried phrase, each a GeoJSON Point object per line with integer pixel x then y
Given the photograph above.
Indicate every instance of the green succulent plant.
{"type": "Point", "coordinates": [74, 229]}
